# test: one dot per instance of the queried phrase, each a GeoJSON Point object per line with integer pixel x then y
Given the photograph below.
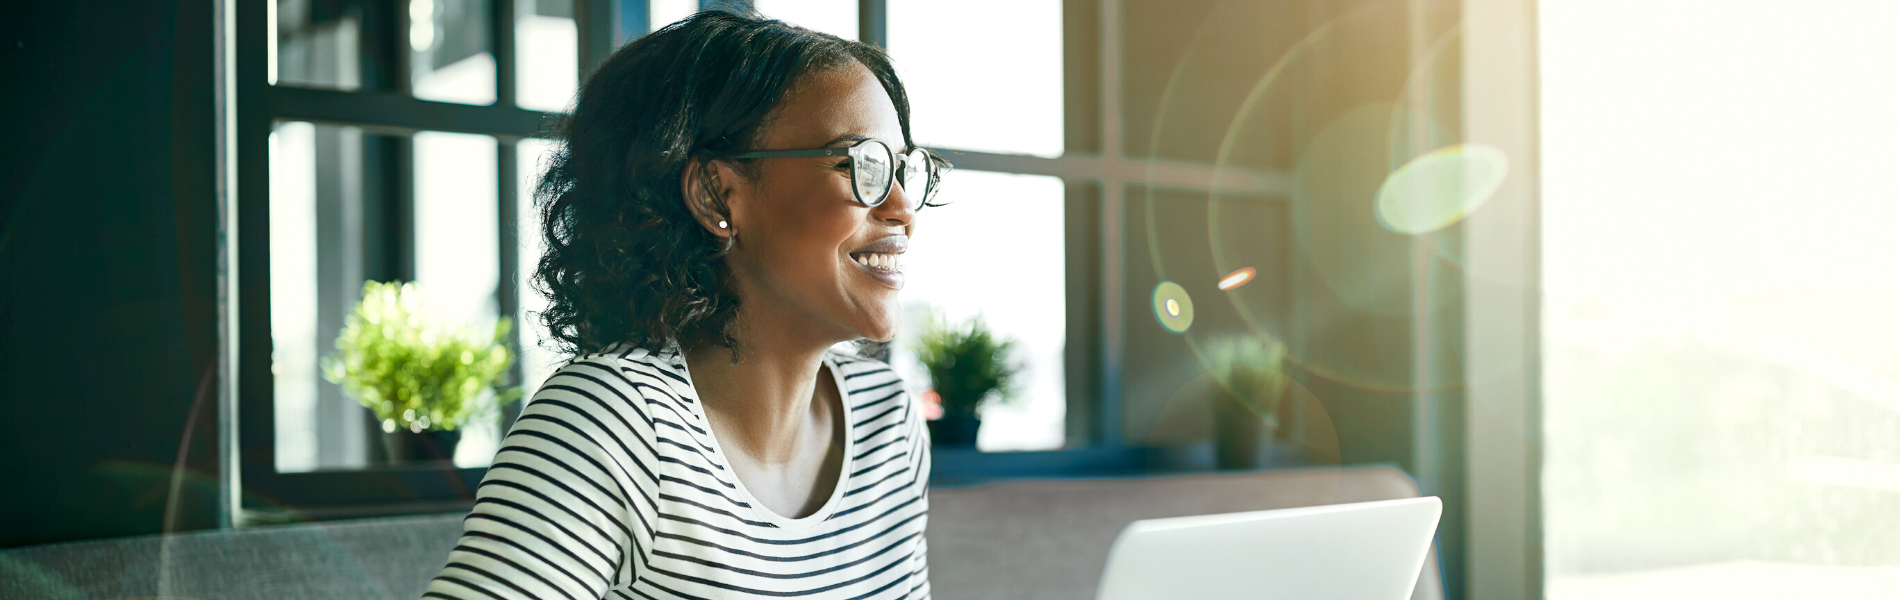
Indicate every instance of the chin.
{"type": "Point", "coordinates": [882, 329]}
{"type": "Point", "coordinates": [882, 334]}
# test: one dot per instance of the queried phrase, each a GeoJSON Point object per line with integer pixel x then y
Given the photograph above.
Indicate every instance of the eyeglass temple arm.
{"type": "Point", "coordinates": [797, 153]}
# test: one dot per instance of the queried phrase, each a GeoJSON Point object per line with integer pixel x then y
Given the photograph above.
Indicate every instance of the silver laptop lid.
{"type": "Point", "coordinates": [1362, 551]}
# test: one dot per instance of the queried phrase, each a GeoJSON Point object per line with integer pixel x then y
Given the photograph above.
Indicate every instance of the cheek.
{"type": "Point", "coordinates": [810, 225]}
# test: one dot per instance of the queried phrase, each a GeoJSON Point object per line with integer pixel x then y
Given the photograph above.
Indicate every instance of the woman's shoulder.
{"type": "Point", "coordinates": [857, 371]}
{"type": "Point", "coordinates": [627, 365]}
{"type": "Point", "coordinates": [619, 376]}
{"type": "Point", "coordinates": [873, 390]}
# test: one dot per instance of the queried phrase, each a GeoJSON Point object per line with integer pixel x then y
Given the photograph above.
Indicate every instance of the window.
{"type": "Point", "coordinates": [381, 141]}
{"type": "Point", "coordinates": [997, 252]}
{"type": "Point", "coordinates": [1722, 407]}
{"type": "Point", "coordinates": [397, 141]}
{"type": "Point", "coordinates": [1018, 107]}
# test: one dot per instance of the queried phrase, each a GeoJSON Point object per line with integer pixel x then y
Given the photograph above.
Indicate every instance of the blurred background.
{"type": "Point", "coordinates": [1615, 279]}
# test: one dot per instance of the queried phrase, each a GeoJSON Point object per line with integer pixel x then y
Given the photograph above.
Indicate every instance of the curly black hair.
{"type": "Point", "coordinates": [625, 260]}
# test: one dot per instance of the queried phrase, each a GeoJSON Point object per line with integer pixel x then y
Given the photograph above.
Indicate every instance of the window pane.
{"type": "Point", "coordinates": [1018, 58]}
{"type": "Point", "coordinates": [451, 57]}
{"type": "Point", "coordinates": [836, 17]}
{"type": "Point", "coordinates": [538, 361]}
{"type": "Point", "coordinates": [1722, 387]}
{"type": "Point", "coordinates": [457, 248]}
{"type": "Point", "coordinates": [949, 271]}
{"type": "Point", "coordinates": [312, 47]}
{"type": "Point", "coordinates": [317, 268]}
{"type": "Point", "coordinates": [661, 13]}
{"type": "Point", "coordinates": [547, 46]}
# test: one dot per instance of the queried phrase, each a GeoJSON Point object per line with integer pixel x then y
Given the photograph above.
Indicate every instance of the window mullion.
{"type": "Point", "coordinates": [501, 29]}
{"type": "Point", "coordinates": [873, 23]}
{"type": "Point", "coordinates": [508, 301]}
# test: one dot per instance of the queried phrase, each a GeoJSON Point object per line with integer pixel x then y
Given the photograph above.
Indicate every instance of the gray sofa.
{"type": "Point", "coordinates": [1021, 539]}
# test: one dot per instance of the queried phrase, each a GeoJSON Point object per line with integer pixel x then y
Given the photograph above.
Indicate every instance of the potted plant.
{"type": "Point", "coordinates": [968, 368]}
{"type": "Point", "coordinates": [422, 377]}
{"type": "Point", "coordinates": [1249, 381]}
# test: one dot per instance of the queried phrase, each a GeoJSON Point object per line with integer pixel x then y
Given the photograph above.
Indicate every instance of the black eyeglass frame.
{"type": "Point", "coordinates": [934, 167]}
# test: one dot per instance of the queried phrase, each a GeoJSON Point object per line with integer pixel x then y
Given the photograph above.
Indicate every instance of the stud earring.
{"type": "Point", "coordinates": [722, 224]}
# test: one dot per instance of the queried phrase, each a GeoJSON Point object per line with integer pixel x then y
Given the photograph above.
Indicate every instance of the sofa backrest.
{"type": "Point", "coordinates": [1023, 539]}
{"type": "Point", "coordinates": [363, 559]}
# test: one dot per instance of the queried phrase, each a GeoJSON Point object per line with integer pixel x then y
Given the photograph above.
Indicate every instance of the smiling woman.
{"type": "Point", "coordinates": [734, 200]}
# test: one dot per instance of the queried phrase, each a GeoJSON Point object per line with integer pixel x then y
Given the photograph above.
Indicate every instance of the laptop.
{"type": "Point", "coordinates": [1362, 551]}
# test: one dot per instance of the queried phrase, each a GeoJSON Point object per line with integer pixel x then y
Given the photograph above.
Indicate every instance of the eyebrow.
{"type": "Point", "coordinates": [846, 140]}
{"type": "Point", "coordinates": [853, 138]}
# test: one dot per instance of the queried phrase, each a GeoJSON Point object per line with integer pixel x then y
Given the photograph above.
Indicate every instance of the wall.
{"type": "Point", "coordinates": [107, 269]}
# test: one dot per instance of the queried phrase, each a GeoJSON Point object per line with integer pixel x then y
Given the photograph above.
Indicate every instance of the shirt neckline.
{"type": "Point", "coordinates": [757, 509]}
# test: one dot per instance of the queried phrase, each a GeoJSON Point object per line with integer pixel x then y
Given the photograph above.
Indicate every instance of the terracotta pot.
{"type": "Point", "coordinates": [403, 447]}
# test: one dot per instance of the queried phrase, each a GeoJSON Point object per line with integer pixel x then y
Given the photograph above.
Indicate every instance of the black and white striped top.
{"type": "Point", "coordinates": [611, 485]}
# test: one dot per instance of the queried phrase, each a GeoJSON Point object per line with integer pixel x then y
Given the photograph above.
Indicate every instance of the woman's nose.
{"type": "Point", "coordinates": [896, 208]}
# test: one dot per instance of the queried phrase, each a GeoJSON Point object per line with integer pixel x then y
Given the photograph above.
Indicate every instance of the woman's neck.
{"type": "Point", "coordinates": [765, 402]}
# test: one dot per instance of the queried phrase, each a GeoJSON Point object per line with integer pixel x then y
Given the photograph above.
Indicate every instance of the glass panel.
{"type": "Point", "coordinates": [547, 50]}
{"type": "Point", "coordinates": [538, 360]}
{"type": "Point", "coordinates": [451, 57]}
{"type": "Point", "coordinates": [1722, 387]}
{"type": "Point", "coordinates": [317, 268]}
{"type": "Point", "coordinates": [1017, 109]}
{"type": "Point", "coordinates": [836, 17]}
{"type": "Point", "coordinates": [661, 13]}
{"type": "Point", "coordinates": [314, 47]}
{"type": "Point", "coordinates": [457, 249]}
{"type": "Point", "coordinates": [950, 275]}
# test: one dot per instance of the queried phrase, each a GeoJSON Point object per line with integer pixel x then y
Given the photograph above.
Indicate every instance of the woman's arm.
{"type": "Point", "coordinates": [560, 513]}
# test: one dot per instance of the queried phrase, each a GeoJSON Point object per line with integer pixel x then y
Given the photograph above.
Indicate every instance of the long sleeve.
{"type": "Point", "coordinates": [559, 514]}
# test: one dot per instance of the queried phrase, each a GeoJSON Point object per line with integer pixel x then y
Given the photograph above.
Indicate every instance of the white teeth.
{"type": "Point", "coordinates": [887, 262]}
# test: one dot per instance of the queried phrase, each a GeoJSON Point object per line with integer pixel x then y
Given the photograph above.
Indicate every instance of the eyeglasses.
{"type": "Point", "coordinates": [872, 172]}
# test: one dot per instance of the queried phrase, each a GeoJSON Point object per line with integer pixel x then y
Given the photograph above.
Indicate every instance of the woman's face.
{"type": "Point", "coordinates": [808, 255]}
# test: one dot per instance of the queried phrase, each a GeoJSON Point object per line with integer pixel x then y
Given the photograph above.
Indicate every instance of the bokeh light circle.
{"type": "Point", "coordinates": [1439, 188]}
{"type": "Point", "coordinates": [1173, 308]}
{"type": "Point", "coordinates": [1300, 162]}
{"type": "Point", "coordinates": [1236, 279]}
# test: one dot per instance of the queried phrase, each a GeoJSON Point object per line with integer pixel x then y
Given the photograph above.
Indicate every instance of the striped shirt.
{"type": "Point", "coordinates": [611, 485]}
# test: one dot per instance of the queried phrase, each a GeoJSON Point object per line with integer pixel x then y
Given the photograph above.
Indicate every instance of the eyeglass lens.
{"type": "Point", "coordinates": [917, 178]}
{"type": "Point", "coordinates": [871, 163]}
{"type": "Point", "coordinates": [871, 172]}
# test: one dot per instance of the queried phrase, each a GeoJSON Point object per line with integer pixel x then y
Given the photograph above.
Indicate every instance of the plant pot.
{"type": "Point", "coordinates": [954, 430]}
{"type": "Point", "coordinates": [1240, 435]}
{"type": "Point", "coordinates": [402, 446]}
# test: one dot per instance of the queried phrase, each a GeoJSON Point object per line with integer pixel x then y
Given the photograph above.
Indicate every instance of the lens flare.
{"type": "Point", "coordinates": [1236, 278]}
{"type": "Point", "coordinates": [1438, 189]}
{"type": "Point", "coordinates": [1173, 308]}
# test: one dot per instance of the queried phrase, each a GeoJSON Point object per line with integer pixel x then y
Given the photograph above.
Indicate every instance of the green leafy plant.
{"type": "Point", "coordinates": [413, 370]}
{"type": "Point", "coordinates": [1250, 369]}
{"type": "Point", "coordinates": [966, 363]}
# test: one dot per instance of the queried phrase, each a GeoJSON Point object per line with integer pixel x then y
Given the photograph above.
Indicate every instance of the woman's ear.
{"type": "Point", "coordinates": [711, 190]}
